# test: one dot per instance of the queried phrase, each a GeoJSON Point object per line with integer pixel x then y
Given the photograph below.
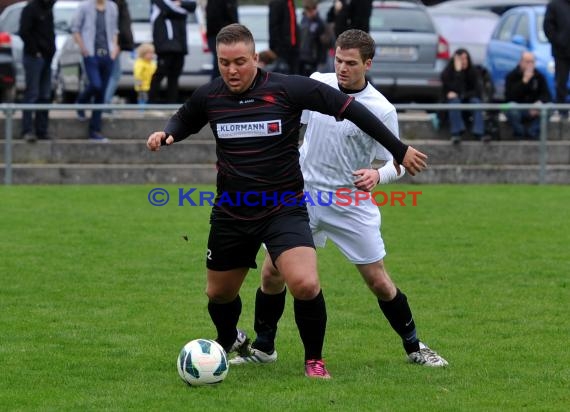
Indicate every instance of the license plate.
{"type": "Point", "coordinates": [397, 52]}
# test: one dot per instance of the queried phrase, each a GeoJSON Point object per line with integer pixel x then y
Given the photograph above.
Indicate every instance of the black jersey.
{"type": "Point", "coordinates": [257, 136]}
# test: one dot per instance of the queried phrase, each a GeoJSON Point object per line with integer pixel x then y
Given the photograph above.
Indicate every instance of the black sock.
{"type": "Point", "coordinates": [268, 311]}
{"type": "Point", "coordinates": [399, 314]}
{"type": "Point", "coordinates": [311, 319]}
{"type": "Point", "coordinates": [225, 317]}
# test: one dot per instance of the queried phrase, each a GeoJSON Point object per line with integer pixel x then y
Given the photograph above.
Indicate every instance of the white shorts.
{"type": "Point", "coordinates": [355, 230]}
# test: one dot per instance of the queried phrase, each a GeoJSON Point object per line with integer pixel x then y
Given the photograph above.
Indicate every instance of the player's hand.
{"type": "Point", "coordinates": [155, 140]}
{"type": "Point", "coordinates": [414, 161]}
{"type": "Point", "coordinates": [366, 179]}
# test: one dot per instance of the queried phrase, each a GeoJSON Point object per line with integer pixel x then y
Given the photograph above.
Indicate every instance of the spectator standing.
{"type": "Point", "coordinates": [95, 30]}
{"type": "Point", "coordinates": [525, 84]}
{"type": "Point", "coordinates": [313, 39]}
{"type": "Point", "coordinates": [168, 18]}
{"type": "Point", "coordinates": [37, 33]}
{"type": "Point", "coordinates": [126, 43]}
{"type": "Point", "coordinates": [359, 14]}
{"type": "Point", "coordinates": [283, 35]}
{"type": "Point", "coordinates": [557, 29]}
{"type": "Point", "coordinates": [219, 13]}
{"type": "Point", "coordinates": [143, 70]}
{"type": "Point", "coordinates": [462, 84]}
{"type": "Point", "coordinates": [338, 17]}
{"type": "Point", "coordinates": [350, 14]}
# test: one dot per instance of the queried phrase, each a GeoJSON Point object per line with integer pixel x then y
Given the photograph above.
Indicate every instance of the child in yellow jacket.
{"type": "Point", "coordinates": [143, 70]}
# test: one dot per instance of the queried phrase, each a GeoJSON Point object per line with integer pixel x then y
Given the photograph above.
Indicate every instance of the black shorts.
{"type": "Point", "coordinates": [234, 243]}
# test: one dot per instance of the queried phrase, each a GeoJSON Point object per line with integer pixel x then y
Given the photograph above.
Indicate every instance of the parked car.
{"type": "Point", "coordinates": [7, 73]}
{"type": "Point", "coordinates": [6, 3]}
{"type": "Point", "coordinates": [197, 64]}
{"type": "Point", "coordinates": [410, 53]}
{"type": "Point", "coordinates": [468, 29]}
{"type": "Point", "coordinates": [256, 19]}
{"type": "Point", "coordinates": [10, 24]}
{"type": "Point", "coordinates": [496, 6]}
{"type": "Point", "coordinates": [518, 30]}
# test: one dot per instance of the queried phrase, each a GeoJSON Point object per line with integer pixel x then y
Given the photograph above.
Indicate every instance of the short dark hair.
{"type": "Point", "coordinates": [235, 33]}
{"type": "Point", "coordinates": [357, 39]}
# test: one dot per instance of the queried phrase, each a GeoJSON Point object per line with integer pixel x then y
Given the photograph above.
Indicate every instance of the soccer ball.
{"type": "Point", "coordinates": [202, 362]}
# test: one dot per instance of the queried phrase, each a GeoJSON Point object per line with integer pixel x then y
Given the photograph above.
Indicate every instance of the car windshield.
{"type": "Point", "coordinates": [400, 20]}
{"type": "Point", "coordinates": [61, 17]}
{"type": "Point", "coordinates": [540, 28]}
{"type": "Point", "coordinates": [257, 24]}
{"type": "Point", "coordinates": [465, 29]}
{"type": "Point", "coordinates": [140, 11]}
{"type": "Point", "coordinates": [11, 20]}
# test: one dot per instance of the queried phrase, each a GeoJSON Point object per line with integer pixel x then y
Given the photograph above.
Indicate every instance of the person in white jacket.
{"type": "Point", "coordinates": [338, 156]}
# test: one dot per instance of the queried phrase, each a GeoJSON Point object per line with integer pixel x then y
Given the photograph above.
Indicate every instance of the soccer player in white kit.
{"type": "Point", "coordinates": [337, 155]}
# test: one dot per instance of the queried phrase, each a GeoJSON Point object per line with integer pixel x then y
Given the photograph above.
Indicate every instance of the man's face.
{"type": "Point", "coordinates": [238, 65]}
{"type": "Point", "coordinates": [350, 69]}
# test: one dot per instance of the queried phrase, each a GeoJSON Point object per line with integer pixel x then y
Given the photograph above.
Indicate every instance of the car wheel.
{"type": "Point", "coordinates": [8, 95]}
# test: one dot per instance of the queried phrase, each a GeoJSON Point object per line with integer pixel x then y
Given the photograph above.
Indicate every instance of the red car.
{"type": "Point", "coordinates": [7, 75]}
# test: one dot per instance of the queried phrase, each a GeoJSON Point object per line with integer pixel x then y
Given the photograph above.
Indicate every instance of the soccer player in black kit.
{"type": "Point", "coordinates": [255, 118]}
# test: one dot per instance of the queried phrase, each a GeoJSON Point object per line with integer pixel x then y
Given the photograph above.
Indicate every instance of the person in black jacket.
{"type": "Point", "coordinates": [359, 14]}
{"type": "Point", "coordinates": [313, 39]}
{"type": "Point", "coordinates": [350, 14]}
{"type": "Point", "coordinates": [338, 17]}
{"type": "Point", "coordinates": [219, 13]}
{"type": "Point", "coordinates": [168, 18]}
{"type": "Point", "coordinates": [284, 35]}
{"type": "Point", "coordinates": [37, 33]}
{"type": "Point", "coordinates": [557, 29]}
{"type": "Point", "coordinates": [525, 84]}
{"type": "Point", "coordinates": [461, 83]}
{"type": "Point", "coordinates": [126, 43]}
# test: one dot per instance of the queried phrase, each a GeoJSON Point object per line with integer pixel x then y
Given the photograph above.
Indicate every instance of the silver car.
{"type": "Point", "coordinates": [197, 64]}
{"type": "Point", "coordinates": [256, 19]}
{"type": "Point", "coordinates": [498, 7]}
{"type": "Point", "coordinates": [468, 29]}
{"type": "Point", "coordinates": [410, 53]}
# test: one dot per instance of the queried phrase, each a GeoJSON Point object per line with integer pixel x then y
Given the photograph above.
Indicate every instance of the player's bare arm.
{"type": "Point", "coordinates": [155, 140]}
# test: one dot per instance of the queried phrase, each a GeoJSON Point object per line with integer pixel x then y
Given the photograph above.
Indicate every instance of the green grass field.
{"type": "Point", "coordinates": [99, 291]}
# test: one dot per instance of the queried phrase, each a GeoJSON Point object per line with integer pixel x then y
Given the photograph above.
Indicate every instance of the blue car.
{"type": "Point", "coordinates": [519, 29]}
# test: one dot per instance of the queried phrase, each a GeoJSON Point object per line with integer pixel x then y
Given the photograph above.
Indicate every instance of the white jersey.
{"type": "Point", "coordinates": [333, 150]}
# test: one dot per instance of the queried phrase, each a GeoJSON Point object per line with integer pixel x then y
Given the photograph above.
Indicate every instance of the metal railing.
{"type": "Point", "coordinates": [546, 109]}
{"type": "Point", "coordinates": [10, 108]}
